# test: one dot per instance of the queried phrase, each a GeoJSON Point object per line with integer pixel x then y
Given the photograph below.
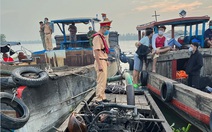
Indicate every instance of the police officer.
{"type": "Point", "coordinates": [101, 50]}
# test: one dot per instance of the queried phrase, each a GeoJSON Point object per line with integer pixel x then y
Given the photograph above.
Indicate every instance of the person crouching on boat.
{"type": "Point", "coordinates": [194, 66]}
{"type": "Point", "coordinates": [101, 51]}
{"type": "Point", "coordinates": [159, 45]}
{"type": "Point", "coordinates": [140, 57]}
{"type": "Point", "coordinates": [208, 36]}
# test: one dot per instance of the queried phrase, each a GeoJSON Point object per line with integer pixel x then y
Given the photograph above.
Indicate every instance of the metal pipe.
{"type": "Point", "coordinates": [185, 30]}
{"type": "Point", "coordinates": [127, 78]}
{"type": "Point", "coordinates": [114, 78]}
{"type": "Point", "coordinates": [202, 37]}
{"type": "Point", "coordinates": [196, 33]}
{"type": "Point", "coordinates": [150, 119]}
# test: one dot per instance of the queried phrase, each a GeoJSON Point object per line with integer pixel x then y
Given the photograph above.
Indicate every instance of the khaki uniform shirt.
{"type": "Point", "coordinates": [47, 28]}
{"type": "Point", "coordinates": [98, 44]}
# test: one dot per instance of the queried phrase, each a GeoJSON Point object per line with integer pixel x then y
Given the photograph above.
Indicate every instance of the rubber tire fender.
{"type": "Point", "coordinates": [5, 72]}
{"type": "Point", "coordinates": [7, 83]}
{"type": "Point", "coordinates": [167, 91]}
{"type": "Point", "coordinates": [144, 78]}
{"type": "Point", "coordinates": [130, 95]}
{"type": "Point", "coordinates": [21, 80]}
{"type": "Point", "coordinates": [18, 105]}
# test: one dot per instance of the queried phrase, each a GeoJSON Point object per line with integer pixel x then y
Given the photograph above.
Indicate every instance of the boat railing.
{"type": "Point", "coordinates": [64, 44]}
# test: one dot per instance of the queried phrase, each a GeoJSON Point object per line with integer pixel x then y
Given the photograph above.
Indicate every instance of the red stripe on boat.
{"type": "Point", "coordinates": [174, 69]}
{"type": "Point", "coordinates": [194, 113]}
{"type": "Point", "coordinates": [20, 90]}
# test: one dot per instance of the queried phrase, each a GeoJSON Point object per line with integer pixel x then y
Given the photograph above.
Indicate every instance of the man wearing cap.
{"type": "Point", "coordinates": [104, 16]}
{"type": "Point", "coordinates": [42, 34]}
{"type": "Point", "coordinates": [208, 36]}
{"type": "Point", "coordinates": [101, 51]}
{"type": "Point", "coordinates": [48, 34]}
{"type": "Point", "coordinates": [194, 66]}
{"type": "Point", "coordinates": [90, 34]}
{"type": "Point", "coordinates": [73, 31]}
{"type": "Point", "coordinates": [159, 45]}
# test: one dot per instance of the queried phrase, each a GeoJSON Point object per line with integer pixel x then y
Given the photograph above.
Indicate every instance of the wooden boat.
{"type": "Point", "coordinates": [192, 104]}
{"type": "Point", "coordinates": [54, 82]}
{"type": "Point", "coordinates": [125, 112]}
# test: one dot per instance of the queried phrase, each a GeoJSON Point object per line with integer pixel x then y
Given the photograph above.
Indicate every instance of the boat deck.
{"type": "Point", "coordinates": [140, 101]}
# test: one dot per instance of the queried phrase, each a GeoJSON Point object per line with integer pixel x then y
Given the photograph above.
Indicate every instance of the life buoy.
{"type": "Point", "coordinates": [167, 91]}
{"type": "Point", "coordinates": [144, 78]}
{"type": "Point", "coordinates": [18, 105]}
{"type": "Point", "coordinates": [29, 76]}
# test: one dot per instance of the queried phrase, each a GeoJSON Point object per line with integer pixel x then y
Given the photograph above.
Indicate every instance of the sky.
{"type": "Point", "coordinates": [20, 18]}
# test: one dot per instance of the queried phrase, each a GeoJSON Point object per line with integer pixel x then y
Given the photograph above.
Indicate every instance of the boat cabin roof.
{"type": "Point", "coordinates": [184, 21]}
{"type": "Point", "coordinates": [76, 20]}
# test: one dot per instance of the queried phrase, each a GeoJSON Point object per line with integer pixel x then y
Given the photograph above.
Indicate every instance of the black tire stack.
{"type": "Point", "coordinates": [23, 76]}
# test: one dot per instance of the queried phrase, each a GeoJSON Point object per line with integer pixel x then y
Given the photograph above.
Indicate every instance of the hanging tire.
{"type": "Point", "coordinates": [29, 76]}
{"type": "Point", "coordinates": [7, 83]}
{"type": "Point", "coordinates": [130, 95]}
{"type": "Point", "coordinates": [144, 78]}
{"type": "Point", "coordinates": [167, 91]}
{"type": "Point", "coordinates": [18, 105]}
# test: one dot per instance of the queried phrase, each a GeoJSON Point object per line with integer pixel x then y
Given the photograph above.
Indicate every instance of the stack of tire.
{"type": "Point", "coordinates": [16, 79]}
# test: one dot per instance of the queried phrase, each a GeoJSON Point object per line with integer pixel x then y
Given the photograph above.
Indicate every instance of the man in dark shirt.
{"type": "Point", "coordinates": [194, 66]}
{"type": "Point", "coordinates": [208, 36]}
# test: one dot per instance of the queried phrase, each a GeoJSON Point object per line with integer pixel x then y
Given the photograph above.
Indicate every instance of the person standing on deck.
{"type": "Point", "coordinates": [73, 31]}
{"type": "Point", "coordinates": [140, 57]}
{"type": "Point", "coordinates": [208, 36]}
{"type": "Point", "coordinates": [104, 17]}
{"type": "Point", "coordinates": [101, 51]}
{"type": "Point", "coordinates": [90, 34]}
{"type": "Point", "coordinates": [159, 45]}
{"type": "Point", "coordinates": [42, 34]}
{"type": "Point", "coordinates": [194, 66]}
{"type": "Point", "coordinates": [48, 34]}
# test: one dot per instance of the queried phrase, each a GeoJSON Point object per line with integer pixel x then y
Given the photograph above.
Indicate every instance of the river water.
{"type": "Point", "coordinates": [129, 47]}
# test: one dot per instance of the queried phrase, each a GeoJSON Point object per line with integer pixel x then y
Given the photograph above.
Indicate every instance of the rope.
{"type": "Point", "coordinates": [84, 76]}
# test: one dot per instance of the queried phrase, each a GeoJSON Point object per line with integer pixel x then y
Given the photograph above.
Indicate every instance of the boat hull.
{"type": "Point", "coordinates": [192, 104]}
{"type": "Point", "coordinates": [50, 103]}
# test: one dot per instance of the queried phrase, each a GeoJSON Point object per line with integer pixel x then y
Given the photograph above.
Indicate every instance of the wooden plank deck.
{"type": "Point", "coordinates": [140, 100]}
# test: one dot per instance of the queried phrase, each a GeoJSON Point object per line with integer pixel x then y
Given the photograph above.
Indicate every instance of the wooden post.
{"type": "Point", "coordinates": [172, 31]}
{"type": "Point", "coordinates": [174, 69]}
{"type": "Point", "coordinates": [139, 35]}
